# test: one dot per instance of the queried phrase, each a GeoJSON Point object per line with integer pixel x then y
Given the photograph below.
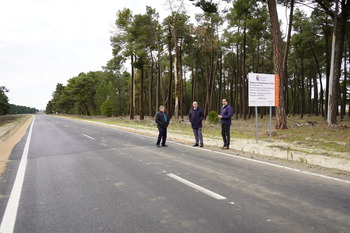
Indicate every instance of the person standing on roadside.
{"type": "Point", "coordinates": [162, 120]}
{"type": "Point", "coordinates": [196, 117]}
{"type": "Point", "coordinates": [225, 117]}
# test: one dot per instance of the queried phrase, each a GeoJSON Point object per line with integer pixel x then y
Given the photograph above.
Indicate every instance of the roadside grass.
{"type": "Point", "coordinates": [309, 132]}
{"type": "Point", "coordinates": [313, 132]}
{"type": "Point", "coordinates": [7, 119]}
{"type": "Point", "coordinates": [9, 123]}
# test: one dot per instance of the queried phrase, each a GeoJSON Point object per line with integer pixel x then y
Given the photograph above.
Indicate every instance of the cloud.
{"type": "Point", "coordinates": [46, 42]}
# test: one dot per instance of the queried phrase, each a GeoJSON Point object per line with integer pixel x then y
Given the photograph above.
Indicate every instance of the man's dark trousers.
{"type": "Point", "coordinates": [162, 135]}
{"type": "Point", "coordinates": [225, 132]}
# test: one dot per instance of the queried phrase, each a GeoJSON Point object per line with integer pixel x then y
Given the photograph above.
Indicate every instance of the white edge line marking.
{"type": "Point", "coordinates": [10, 215]}
{"type": "Point", "coordinates": [87, 137]}
{"type": "Point", "coordinates": [197, 187]}
{"type": "Point", "coordinates": [269, 164]}
{"type": "Point", "coordinates": [230, 155]}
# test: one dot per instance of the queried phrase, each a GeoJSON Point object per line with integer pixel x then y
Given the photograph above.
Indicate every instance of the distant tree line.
{"type": "Point", "coordinates": [4, 101]}
{"type": "Point", "coordinates": [94, 93]}
{"type": "Point", "coordinates": [17, 109]}
{"type": "Point", "coordinates": [7, 108]}
{"type": "Point", "coordinates": [174, 62]}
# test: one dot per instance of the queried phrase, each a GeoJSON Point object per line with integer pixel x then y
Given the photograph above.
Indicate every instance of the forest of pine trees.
{"type": "Point", "coordinates": [173, 62]}
{"type": "Point", "coordinates": [7, 108]}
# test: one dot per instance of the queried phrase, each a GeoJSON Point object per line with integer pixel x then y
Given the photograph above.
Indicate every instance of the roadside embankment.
{"type": "Point", "coordinates": [12, 129]}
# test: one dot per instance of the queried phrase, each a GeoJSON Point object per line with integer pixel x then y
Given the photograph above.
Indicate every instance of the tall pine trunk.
{"type": "Point", "coordinates": [220, 82]}
{"type": "Point", "coordinates": [244, 77]}
{"type": "Point", "coordinates": [328, 67]}
{"type": "Point", "coordinates": [349, 64]}
{"type": "Point", "coordinates": [343, 105]}
{"type": "Point", "coordinates": [176, 71]}
{"type": "Point", "coordinates": [315, 104]}
{"type": "Point", "coordinates": [159, 76]}
{"type": "Point", "coordinates": [193, 84]}
{"type": "Point", "coordinates": [150, 87]}
{"type": "Point", "coordinates": [278, 59]}
{"type": "Point", "coordinates": [132, 89]}
{"type": "Point", "coordinates": [302, 88]}
{"type": "Point", "coordinates": [169, 101]}
{"type": "Point", "coordinates": [321, 86]}
{"type": "Point", "coordinates": [141, 92]}
{"type": "Point", "coordinates": [309, 91]}
{"type": "Point", "coordinates": [181, 84]}
{"type": "Point", "coordinates": [286, 52]}
{"type": "Point", "coordinates": [339, 29]}
{"type": "Point", "coordinates": [207, 85]}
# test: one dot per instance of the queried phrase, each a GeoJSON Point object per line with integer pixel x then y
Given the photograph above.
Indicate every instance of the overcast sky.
{"type": "Point", "coordinates": [45, 42]}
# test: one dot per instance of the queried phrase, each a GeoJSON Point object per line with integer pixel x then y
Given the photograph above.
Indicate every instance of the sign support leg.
{"type": "Point", "coordinates": [270, 123]}
{"type": "Point", "coordinates": [256, 124]}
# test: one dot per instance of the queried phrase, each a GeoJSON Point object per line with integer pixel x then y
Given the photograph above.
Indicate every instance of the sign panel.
{"type": "Point", "coordinates": [263, 90]}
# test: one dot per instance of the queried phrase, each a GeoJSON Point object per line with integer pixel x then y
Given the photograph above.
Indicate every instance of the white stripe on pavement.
{"type": "Point", "coordinates": [10, 215]}
{"type": "Point", "coordinates": [88, 136]}
{"type": "Point", "coordinates": [197, 187]}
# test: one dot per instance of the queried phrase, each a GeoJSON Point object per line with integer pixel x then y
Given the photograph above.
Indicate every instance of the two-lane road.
{"type": "Point", "coordinates": [80, 177]}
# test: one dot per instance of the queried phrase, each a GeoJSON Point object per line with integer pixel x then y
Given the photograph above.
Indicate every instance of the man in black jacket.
{"type": "Point", "coordinates": [196, 117]}
{"type": "Point", "coordinates": [162, 120]}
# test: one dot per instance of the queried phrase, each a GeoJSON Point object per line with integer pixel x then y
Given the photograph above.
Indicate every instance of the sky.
{"type": "Point", "coordinates": [45, 42]}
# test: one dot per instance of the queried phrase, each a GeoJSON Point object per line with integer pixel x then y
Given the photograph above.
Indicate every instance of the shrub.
{"type": "Point", "coordinates": [106, 108]}
{"type": "Point", "coordinates": [213, 117]}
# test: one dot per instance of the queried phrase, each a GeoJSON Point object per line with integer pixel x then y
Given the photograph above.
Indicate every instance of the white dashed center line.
{"type": "Point", "coordinates": [88, 136]}
{"type": "Point", "coordinates": [197, 187]}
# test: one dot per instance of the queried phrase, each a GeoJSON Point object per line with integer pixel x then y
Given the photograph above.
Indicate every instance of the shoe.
{"type": "Point", "coordinates": [225, 148]}
{"type": "Point", "coordinates": [158, 146]}
{"type": "Point", "coordinates": [201, 145]}
{"type": "Point", "coordinates": [195, 144]}
{"type": "Point", "coordinates": [164, 146]}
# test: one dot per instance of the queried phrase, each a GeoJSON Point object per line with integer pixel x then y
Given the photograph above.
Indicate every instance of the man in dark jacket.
{"type": "Point", "coordinates": [162, 120]}
{"type": "Point", "coordinates": [225, 116]}
{"type": "Point", "coordinates": [196, 117]}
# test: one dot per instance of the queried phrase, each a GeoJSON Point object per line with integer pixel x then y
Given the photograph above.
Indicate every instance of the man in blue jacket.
{"type": "Point", "coordinates": [225, 116]}
{"type": "Point", "coordinates": [196, 117]}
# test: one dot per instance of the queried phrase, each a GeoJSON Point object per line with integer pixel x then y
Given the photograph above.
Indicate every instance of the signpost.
{"type": "Point", "coordinates": [263, 91]}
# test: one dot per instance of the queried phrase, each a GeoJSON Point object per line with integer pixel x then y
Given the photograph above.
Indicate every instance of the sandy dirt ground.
{"type": "Point", "coordinates": [14, 134]}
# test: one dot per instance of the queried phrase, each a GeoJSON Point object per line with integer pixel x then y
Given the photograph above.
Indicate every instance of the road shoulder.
{"type": "Point", "coordinates": [7, 146]}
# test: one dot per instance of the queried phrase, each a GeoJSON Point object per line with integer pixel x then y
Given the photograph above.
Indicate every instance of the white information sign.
{"type": "Point", "coordinates": [263, 90]}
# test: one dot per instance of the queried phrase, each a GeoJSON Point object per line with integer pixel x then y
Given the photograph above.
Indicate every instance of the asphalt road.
{"type": "Point", "coordinates": [81, 177]}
